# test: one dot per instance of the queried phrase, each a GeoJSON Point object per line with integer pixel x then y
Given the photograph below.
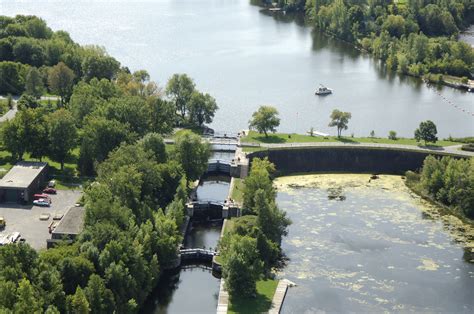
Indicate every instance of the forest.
{"type": "Point", "coordinates": [413, 37]}
{"type": "Point", "coordinates": [114, 121]}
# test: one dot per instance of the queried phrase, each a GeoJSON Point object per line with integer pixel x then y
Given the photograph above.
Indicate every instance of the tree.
{"type": "Point", "coordinates": [192, 153]}
{"type": "Point", "coordinates": [28, 299]}
{"type": "Point", "coordinates": [13, 139]}
{"type": "Point", "coordinates": [11, 78]}
{"type": "Point", "coordinates": [154, 143]}
{"type": "Point", "coordinates": [271, 220]}
{"type": "Point", "coordinates": [99, 137]}
{"type": "Point", "coordinates": [162, 115]}
{"type": "Point", "coordinates": [265, 120]}
{"type": "Point", "coordinates": [241, 266]}
{"type": "Point", "coordinates": [258, 179]}
{"type": "Point", "coordinates": [180, 88]}
{"type": "Point", "coordinates": [27, 101]}
{"type": "Point", "coordinates": [427, 132]}
{"type": "Point", "coordinates": [392, 135]}
{"type": "Point", "coordinates": [62, 135]}
{"type": "Point", "coordinates": [202, 108]}
{"type": "Point", "coordinates": [77, 303]}
{"type": "Point", "coordinates": [100, 299]}
{"type": "Point", "coordinates": [34, 83]}
{"type": "Point", "coordinates": [97, 64]}
{"type": "Point", "coordinates": [340, 120]}
{"type": "Point", "coordinates": [60, 80]}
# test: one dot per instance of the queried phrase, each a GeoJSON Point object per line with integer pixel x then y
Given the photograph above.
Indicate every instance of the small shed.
{"type": "Point", "coordinates": [22, 181]}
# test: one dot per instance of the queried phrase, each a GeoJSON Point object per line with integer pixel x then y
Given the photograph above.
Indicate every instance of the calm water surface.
{"type": "Point", "coordinates": [379, 249]}
{"type": "Point", "coordinates": [215, 188]}
{"type": "Point", "coordinates": [245, 59]}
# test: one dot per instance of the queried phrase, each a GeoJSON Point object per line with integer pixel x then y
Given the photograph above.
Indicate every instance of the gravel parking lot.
{"type": "Point", "coordinates": [25, 219]}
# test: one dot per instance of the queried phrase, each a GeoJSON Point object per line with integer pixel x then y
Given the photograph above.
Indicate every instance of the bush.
{"type": "Point", "coordinates": [468, 147]}
{"type": "Point", "coordinates": [392, 135]}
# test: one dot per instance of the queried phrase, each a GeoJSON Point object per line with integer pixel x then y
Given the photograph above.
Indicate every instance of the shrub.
{"type": "Point", "coordinates": [392, 135]}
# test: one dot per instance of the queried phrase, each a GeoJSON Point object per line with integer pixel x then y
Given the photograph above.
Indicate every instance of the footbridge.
{"type": "Point", "coordinates": [197, 255]}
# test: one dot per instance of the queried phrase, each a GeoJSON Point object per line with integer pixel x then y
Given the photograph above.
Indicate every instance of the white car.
{"type": "Point", "coordinates": [42, 202]}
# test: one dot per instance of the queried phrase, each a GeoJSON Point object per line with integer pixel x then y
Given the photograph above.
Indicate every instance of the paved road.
{"type": "Point", "coordinates": [12, 112]}
{"type": "Point", "coordinates": [452, 150]}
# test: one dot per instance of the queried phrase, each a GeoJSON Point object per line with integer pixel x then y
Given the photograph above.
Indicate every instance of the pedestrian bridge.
{"type": "Point", "coordinates": [197, 255]}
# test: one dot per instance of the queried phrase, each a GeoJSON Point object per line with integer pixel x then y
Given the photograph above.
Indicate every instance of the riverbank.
{"type": "Point", "coordinates": [282, 138]}
{"type": "Point", "coordinates": [413, 183]}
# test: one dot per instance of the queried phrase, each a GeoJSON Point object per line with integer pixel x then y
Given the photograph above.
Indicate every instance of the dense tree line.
{"type": "Point", "coordinates": [413, 37]}
{"type": "Point", "coordinates": [133, 213]}
{"type": "Point", "coordinates": [26, 43]}
{"type": "Point", "coordinates": [449, 181]}
{"type": "Point", "coordinates": [134, 208]}
{"type": "Point", "coordinates": [251, 248]}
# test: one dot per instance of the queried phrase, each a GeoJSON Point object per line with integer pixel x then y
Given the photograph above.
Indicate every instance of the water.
{"type": "Point", "coordinates": [468, 36]}
{"type": "Point", "coordinates": [192, 290]}
{"type": "Point", "coordinates": [245, 59]}
{"type": "Point", "coordinates": [203, 236]}
{"type": "Point", "coordinates": [224, 156]}
{"type": "Point", "coordinates": [380, 249]}
{"type": "Point", "coordinates": [213, 188]}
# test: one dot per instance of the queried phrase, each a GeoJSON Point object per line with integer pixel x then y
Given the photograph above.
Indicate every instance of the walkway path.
{"type": "Point", "coordinates": [279, 296]}
{"type": "Point", "coordinates": [451, 150]}
{"type": "Point", "coordinates": [10, 114]}
{"type": "Point", "coordinates": [223, 300]}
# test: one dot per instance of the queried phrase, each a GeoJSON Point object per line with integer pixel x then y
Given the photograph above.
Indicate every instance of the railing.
{"type": "Point", "coordinates": [197, 254]}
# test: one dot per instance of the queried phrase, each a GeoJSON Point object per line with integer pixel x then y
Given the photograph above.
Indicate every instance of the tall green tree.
{"type": "Point", "coordinates": [62, 135]}
{"type": "Point", "coordinates": [60, 80]}
{"type": "Point", "coordinates": [202, 108]}
{"type": "Point", "coordinates": [340, 120]}
{"type": "Point", "coordinates": [426, 132]}
{"type": "Point", "coordinates": [242, 267]}
{"type": "Point", "coordinates": [180, 88]}
{"type": "Point", "coordinates": [34, 83]}
{"type": "Point", "coordinates": [265, 120]}
{"type": "Point", "coordinates": [192, 154]}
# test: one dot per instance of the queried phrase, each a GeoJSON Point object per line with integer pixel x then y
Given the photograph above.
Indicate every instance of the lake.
{"type": "Point", "coordinates": [245, 58]}
{"type": "Point", "coordinates": [360, 246]}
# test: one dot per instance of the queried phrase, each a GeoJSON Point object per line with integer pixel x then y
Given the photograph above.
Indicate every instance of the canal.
{"type": "Point", "coordinates": [246, 59]}
{"type": "Point", "coordinates": [193, 288]}
{"type": "Point", "coordinates": [360, 246]}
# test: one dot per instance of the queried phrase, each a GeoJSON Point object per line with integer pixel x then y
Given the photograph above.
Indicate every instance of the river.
{"type": "Point", "coordinates": [245, 59]}
{"type": "Point", "coordinates": [360, 246]}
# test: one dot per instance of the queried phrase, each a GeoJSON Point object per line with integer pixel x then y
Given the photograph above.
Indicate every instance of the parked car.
{"type": "Point", "coordinates": [42, 196]}
{"type": "Point", "coordinates": [52, 184]}
{"type": "Point", "coordinates": [42, 202]}
{"type": "Point", "coordinates": [50, 191]}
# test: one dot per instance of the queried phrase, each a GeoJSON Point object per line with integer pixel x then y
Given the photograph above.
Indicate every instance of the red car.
{"type": "Point", "coordinates": [49, 191]}
{"type": "Point", "coordinates": [39, 196]}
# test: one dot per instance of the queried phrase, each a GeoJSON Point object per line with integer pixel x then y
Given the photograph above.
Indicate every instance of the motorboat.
{"type": "Point", "coordinates": [323, 90]}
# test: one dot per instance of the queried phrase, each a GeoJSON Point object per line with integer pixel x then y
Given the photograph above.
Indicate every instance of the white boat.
{"type": "Point", "coordinates": [323, 90]}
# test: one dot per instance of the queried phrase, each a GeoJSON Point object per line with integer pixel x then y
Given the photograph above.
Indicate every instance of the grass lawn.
{"type": "Point", "coordinates": [238, 190]}
{"type": "Point", "coordinates": [281, 138]}
{"type": "Point", "coordinates": [260, 304]}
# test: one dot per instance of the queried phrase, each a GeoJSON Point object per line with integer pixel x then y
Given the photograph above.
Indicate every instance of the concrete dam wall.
{"type": "Point", "coordinates": [345, 159]}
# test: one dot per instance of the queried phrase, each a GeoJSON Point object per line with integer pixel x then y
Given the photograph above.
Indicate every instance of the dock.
{"type": "Point", "coordinates": [279, 296]}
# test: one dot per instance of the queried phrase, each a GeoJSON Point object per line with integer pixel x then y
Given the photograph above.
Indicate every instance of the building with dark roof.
{"type": "Point", "coordinates": [22, 181]}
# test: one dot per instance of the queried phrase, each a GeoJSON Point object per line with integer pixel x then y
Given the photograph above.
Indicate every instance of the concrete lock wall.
{"type": "Point", "coordinates": [344, 159]}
